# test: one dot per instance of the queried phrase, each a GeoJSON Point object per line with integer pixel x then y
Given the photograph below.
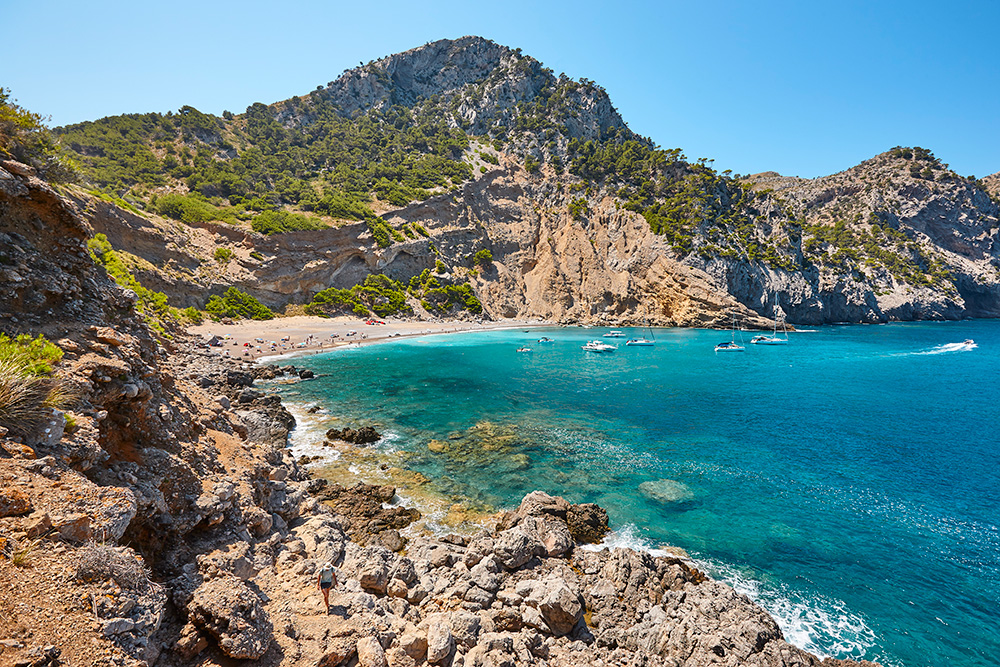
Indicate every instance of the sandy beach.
{"type": "Point", "coordinates": [305, 334]}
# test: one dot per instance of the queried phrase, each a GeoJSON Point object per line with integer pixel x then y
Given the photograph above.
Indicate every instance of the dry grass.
{"type": "Point", "coordinates": [26, 400]}
{"type": "Point", "coordinates": [100, 562]}
{"type": "Point", "coordinates": [20, 553]}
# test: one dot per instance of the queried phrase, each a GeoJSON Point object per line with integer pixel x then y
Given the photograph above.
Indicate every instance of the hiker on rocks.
{"type": "Point", "coordinates": [326, 578]}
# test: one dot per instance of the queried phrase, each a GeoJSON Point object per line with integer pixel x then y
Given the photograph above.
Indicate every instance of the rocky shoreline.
{"type": "Point", "coordinates": [159, 518]}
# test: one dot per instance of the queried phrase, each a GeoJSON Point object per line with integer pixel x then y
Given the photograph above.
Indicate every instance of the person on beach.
{"type": "Point", "coordinates": [326, 578]}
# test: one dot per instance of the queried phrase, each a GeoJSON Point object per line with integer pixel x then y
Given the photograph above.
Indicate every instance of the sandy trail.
{"type": "Point", "coordinates": [305, 334]}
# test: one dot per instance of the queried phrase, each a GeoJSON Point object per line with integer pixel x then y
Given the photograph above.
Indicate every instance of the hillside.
{"type": "Point", "coordinates": [464, 146]}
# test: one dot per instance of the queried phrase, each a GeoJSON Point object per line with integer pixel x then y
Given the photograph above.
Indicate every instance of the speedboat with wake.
{"type": "Point", "coordinates": [546, 339]}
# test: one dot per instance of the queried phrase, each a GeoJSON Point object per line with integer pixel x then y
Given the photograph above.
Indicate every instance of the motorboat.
{"type": "Point", "coordinates": [546, 339]}
{"type": "Point", "coordinates": [968, 341]}
{"type": "Point", "coordinates": [614, 334]}
{"type": "Point", "coordinates": [524, 349]}
{"type": "Point", "coordinates": [598, 346]}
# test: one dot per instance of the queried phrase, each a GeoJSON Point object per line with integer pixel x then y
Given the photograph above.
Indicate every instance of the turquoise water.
{"type": "Point", "coordinates": [847, 481]}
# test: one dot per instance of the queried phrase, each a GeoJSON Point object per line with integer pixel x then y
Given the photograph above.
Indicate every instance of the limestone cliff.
{"type": "Point", "coordinates": [898, 237]}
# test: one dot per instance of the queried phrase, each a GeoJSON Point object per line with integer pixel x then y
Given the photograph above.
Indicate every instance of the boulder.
{"type": "Point", "coordinates": [550, 532]}
{"type": "Point", "coordinates": [13, 502]}
{"type": "Point", "coordinates": [440, 643]}
{"type": "Point", "coordinates": [233, 613]}
{"type": "Point", "coordinates": [75, 527]}
{"type": "Point", "coordinates": [362, 436]}
{"type": "Point", "coordinates": [337, 652]}
{"type": "Point", "coordinates": [370, 653]}
{"type": "Point", "coordinates": [587, 523]}
{"type": "Point", "coordinates": [238, 378]}
{"type": "Point", "coordinates": [414, 644]}
{"type": "Point", "coordinates": [560, 608]}
{"type": "Point", "coordinates": [190, 643]}
{"type": "Point", "coordinates": [514, 547]}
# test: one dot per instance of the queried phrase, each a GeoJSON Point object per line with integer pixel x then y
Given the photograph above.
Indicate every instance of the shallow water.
{"type": "Point", "coordinates": [847, 481]}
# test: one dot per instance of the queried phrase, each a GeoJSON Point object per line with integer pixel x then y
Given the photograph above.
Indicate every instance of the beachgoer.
{"type": "Point", "coordinates": [326, 578]}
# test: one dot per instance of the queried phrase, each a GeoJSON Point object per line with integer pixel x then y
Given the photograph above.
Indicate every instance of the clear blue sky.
{"type": "Point", "coordinates": [805, 88]}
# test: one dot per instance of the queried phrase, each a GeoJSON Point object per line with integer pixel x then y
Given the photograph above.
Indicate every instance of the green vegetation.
{"type": "Point", "coordinates": [222, 255]}
{"type": "Point", "coordinates": [254, 167]}
{"type": "Point", "coordinates": [482, 257]}
{"type": "Point", "coordinates": [276, 222]}
{"type": "Point", "coordinates": [378, 293]}
{"type": "Point", "coordinates": [578, 208]}
{"type": "Point", "coordinates": [385, 297]}
{"type": "Point", "coordinates": [236, 304]}
{"type": "Point", "coordinates": [35, 356]}
{"type": "Point", "coordinates": [192, 314]}
{"type": "Point", "coordinates": [852, 247]}
{"type": "Point", "coordinates": [27, 392]}
{"type": "Point", "coordinates": [151, 305]}
{"type": "Point", "coordinates": [25, 138]}
{"type": "Point", "coordinates": [194, 208]}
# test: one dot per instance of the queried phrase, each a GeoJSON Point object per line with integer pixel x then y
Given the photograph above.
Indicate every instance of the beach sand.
{"type": "Point", "coordinates": [307, 334]}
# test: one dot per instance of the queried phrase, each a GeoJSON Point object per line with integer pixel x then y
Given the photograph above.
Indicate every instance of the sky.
{"type": "Point", "coordinates": [804, 88]}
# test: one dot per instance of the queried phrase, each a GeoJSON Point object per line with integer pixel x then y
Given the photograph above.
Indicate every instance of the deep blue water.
{"type": "Point", "coordinates": [847, 481]}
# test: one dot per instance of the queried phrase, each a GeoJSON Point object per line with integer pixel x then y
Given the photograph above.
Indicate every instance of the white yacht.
{"type": "Point", "coordinates": [614, 333]}
{"type": "Point", "coordinates": [598, 346]}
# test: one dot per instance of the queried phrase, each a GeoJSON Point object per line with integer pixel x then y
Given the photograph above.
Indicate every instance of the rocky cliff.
{"type": "Point", "coordinates": [487, 149]}
{"type": "Point", "coordinates": [898, 237]}
{"type": "Point", "coordinates": [158, 518]}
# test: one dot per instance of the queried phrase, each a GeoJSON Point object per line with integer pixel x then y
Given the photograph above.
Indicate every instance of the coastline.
{"type": "Point", "coordinates": [309, 334]}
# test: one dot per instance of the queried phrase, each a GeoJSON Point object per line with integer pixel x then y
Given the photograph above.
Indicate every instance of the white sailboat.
{"type": "Point", "coordinates": [643, 342]}
{"type": "Point", "coordinates": [731, 345]}
{"type": "Point", "coordinates": [773, 339]}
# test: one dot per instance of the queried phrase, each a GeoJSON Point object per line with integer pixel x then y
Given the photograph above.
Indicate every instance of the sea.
{"type": "Point", "coordinates": [848, 481]}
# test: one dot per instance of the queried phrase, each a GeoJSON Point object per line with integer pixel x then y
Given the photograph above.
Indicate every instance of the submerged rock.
{"type": "Point", "coordinates": [666, 491]}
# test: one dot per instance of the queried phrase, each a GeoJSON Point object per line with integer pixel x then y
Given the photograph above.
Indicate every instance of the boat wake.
{"type": "Point", "coordinates": [951, 347]}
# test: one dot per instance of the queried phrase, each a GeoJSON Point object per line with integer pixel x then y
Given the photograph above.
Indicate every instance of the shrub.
{"type": "Point", "coordinates": [20, 552]}
{"type": "Point", "coordinates": [222, 255]}
{"type": "Point", "coordinates": [24, 137]}
{"type": "Point", "coordinates": [192, 314]}
{"type": "Point", "coordinates": [578, 208]}
{"type": "Point", "coordinates": [237, 304]}
{"type": "Point", "coordinates": [482, 257]}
